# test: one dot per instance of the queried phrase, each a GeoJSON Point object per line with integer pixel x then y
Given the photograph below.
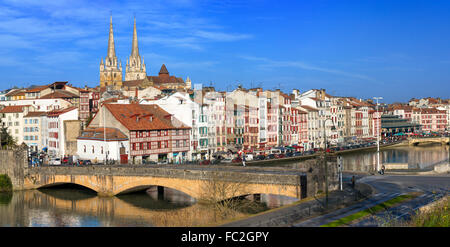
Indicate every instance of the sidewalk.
{"type": "Point", "coordinates": [307, 208]}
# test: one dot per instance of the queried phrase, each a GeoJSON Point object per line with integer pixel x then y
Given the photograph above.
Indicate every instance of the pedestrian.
{"type": "Point", "coordinates": [353, 181]}
{"type": "Point", "coordinates": [243, 160]}
{"type": "Point", "coordinates": [382, 169]}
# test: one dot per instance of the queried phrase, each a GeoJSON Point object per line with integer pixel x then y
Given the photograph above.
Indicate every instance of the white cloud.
{"type": "Point", "coordinates": [268, 63]}
{"type": "Point", "coordinates": [221, 36]}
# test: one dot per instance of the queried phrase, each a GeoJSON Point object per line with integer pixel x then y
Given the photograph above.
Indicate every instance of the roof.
{"type": "Point", "coordinates": [165, 79]}
{"type": "Point", "coordinates": [144, 117]}
{"type": "Point", "coordinates": [36, 114]}
{"type": "Point", "coordinates": [432, 111]}
{"type": "Point", "coordinates": [58, 112]}
{"type": "Point", "coordinates": [13, 109]}
{"type": "Point", "coordinates": [18, 92]}
{"type": "Point", "coordinates": [112, 134]}
{"type": "Point", "coordinates": [163, 70]}
{"type": "Point", "coordinates": [60, 94]}
{"type": "Point", "coordinates": [36, 89]}
{"type": "Point", "coordinates": [132, 83]}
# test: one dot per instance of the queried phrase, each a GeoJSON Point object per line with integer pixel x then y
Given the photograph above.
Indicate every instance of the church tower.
{"type": "Point", "coordinates": [135, 69]}
{"type": "Point", "coordinates": [111, 70]}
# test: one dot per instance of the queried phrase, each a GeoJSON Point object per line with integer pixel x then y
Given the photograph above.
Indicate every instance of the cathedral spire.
{"type": "Point", "coordinates": [135, 69]}
{"type": "Point", "coordinates": [135, 48]}
{"type": "Point", "coordinates": [111, 49]}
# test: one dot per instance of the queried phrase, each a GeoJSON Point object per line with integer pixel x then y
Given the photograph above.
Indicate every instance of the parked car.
{"type": "Point", "coordinates": [205, 162]}
{"type": "Point", "coordinates": [289, 154]}
{"type": "Point", "coordinates": [271, 156]}
{"type": "Point", "coordinates": [65, 160]}
{"type": "Point", "coordinates": [149, 162]}
{"type": "Point", "coordinates": [215, 161]}
{"type": "Point", "coordinates": [84, 162]}
{"type": "Point", "coordinates": [162, 162]}
{"type": "Point", "coordinates": [260, 157]}
{"type": "Point", "coordinates": [87, 162]}
{"type": "Point", "coordinates": [237, 160]}
{"type": "Point", "coordinates": [279, 156]}
{"type": "Point", "coordinates": [297, 154]}
{"type": "Point", "coordinates": [227, 160]}
{"type": "Point", "coordinates": [54, 162]}
{"type": "Point", "coordinates": [249, 157]}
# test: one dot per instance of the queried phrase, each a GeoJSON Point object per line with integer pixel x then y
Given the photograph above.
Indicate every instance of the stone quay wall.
{"type": "Point", "coordinates": [14, 163]}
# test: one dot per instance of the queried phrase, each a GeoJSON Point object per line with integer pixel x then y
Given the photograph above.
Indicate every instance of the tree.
{"type": "Point", "coordinates": [6, 140]}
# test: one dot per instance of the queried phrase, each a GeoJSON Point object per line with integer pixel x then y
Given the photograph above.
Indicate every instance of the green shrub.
{"type": "Point", "coordinates": [5, 183]}
{"type": "Point", "coordinates": [438, 216]}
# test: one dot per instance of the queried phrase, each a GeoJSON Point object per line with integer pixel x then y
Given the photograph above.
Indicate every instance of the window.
{"type": "Point", "coordinates": [26, 121]}
{"type": "Point", "coordinates": [93, 149]}
{"type": "Point", "coordinates": [101, 150]}
{"type": "Point", "coordinates": [84, 148]}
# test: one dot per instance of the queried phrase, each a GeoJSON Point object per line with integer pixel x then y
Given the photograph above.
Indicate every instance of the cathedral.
{"type": "Point", "coordinates": [135, 71]}
{"type": "Point", "coordinates": [111, 70]}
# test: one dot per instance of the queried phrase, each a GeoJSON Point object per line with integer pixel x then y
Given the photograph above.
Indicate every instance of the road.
{"type": "Point", "coordinates": [432, 187]}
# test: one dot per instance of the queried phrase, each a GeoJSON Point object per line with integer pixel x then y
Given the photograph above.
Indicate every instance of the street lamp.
{"type": "Point", "coordinates": [378, 133]}
{"type": "Point", "coordinates": [325, 159]}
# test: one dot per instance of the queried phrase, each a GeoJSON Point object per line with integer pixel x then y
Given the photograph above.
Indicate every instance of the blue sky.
{"type": "Point", "coordinates": [394, 49]}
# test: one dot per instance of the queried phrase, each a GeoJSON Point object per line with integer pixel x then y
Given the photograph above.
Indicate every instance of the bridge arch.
{"type": "Point", "coordinates": [141, 183]}
{"type": "Point", "coordinates": [55, 184]}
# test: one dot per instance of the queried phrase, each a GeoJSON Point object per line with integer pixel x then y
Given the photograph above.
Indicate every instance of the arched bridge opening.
{"type": "Point", "coordinates": [156, 197]}
{"type": "Point", "coordinates": [60, 190]}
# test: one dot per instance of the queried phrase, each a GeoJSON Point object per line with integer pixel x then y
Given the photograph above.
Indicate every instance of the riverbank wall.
{"type": "Point", "coordinates": [13, 163]}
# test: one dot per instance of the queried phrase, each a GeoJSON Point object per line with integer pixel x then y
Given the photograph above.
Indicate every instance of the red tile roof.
{"type": "Point", "coordinates": [36, 114]}
{"type": "Point", "coordinates": [13, 109]}
{"type": "Point", "coordinates": [37, 89]}
{"type": "Point", "coordinates": [59, 94]}
{"type": "Point", "coordinates": [112, 134]}
{"type": "Point", "coordinates": [58, 112]}
{"type": "Point", "coordinates": [18, 92]}
{"type": "Point", "coordinates": [144, 117]}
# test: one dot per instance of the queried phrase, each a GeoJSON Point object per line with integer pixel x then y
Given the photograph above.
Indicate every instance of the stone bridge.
{"type": "Point", "coordinates": [201, 182]}
{"type": "Point", "coordinates": [428, 140]}
{"type": "Point", "coordinates": [197, 182]}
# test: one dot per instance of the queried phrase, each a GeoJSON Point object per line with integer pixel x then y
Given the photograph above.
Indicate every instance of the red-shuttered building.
{"type": "Point", "coordinates": [153, 133]}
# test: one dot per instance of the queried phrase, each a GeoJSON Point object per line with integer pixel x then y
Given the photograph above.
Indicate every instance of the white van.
{"type": "Point", "coordinates": [249, 157]}
{"type": "Point", "coordinates": [55, 162]}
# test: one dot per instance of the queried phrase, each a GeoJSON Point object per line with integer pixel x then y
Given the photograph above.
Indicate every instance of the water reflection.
{"type": "Point", "coordinates": [75, 207]}
{"type": "Point", "coordinates": [412, 157]}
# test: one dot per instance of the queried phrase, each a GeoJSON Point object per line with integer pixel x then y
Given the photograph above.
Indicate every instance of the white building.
{"type": "Point", "coordinates": [56, 137]}
{"type": "Point", "coordinates": [93, 145]}
{"type": "Point", "coordinates": [187, 111]}
{"type": "Point", "coordinates": [35, 130]}
{"type": "Point", "coordinates": [40, 104]}
{"type": "Point", "coordinates": [13, 118]}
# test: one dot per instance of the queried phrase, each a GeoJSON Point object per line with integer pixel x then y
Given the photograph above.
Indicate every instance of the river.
{"type": "Point", "coordinates": [73, 206]}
